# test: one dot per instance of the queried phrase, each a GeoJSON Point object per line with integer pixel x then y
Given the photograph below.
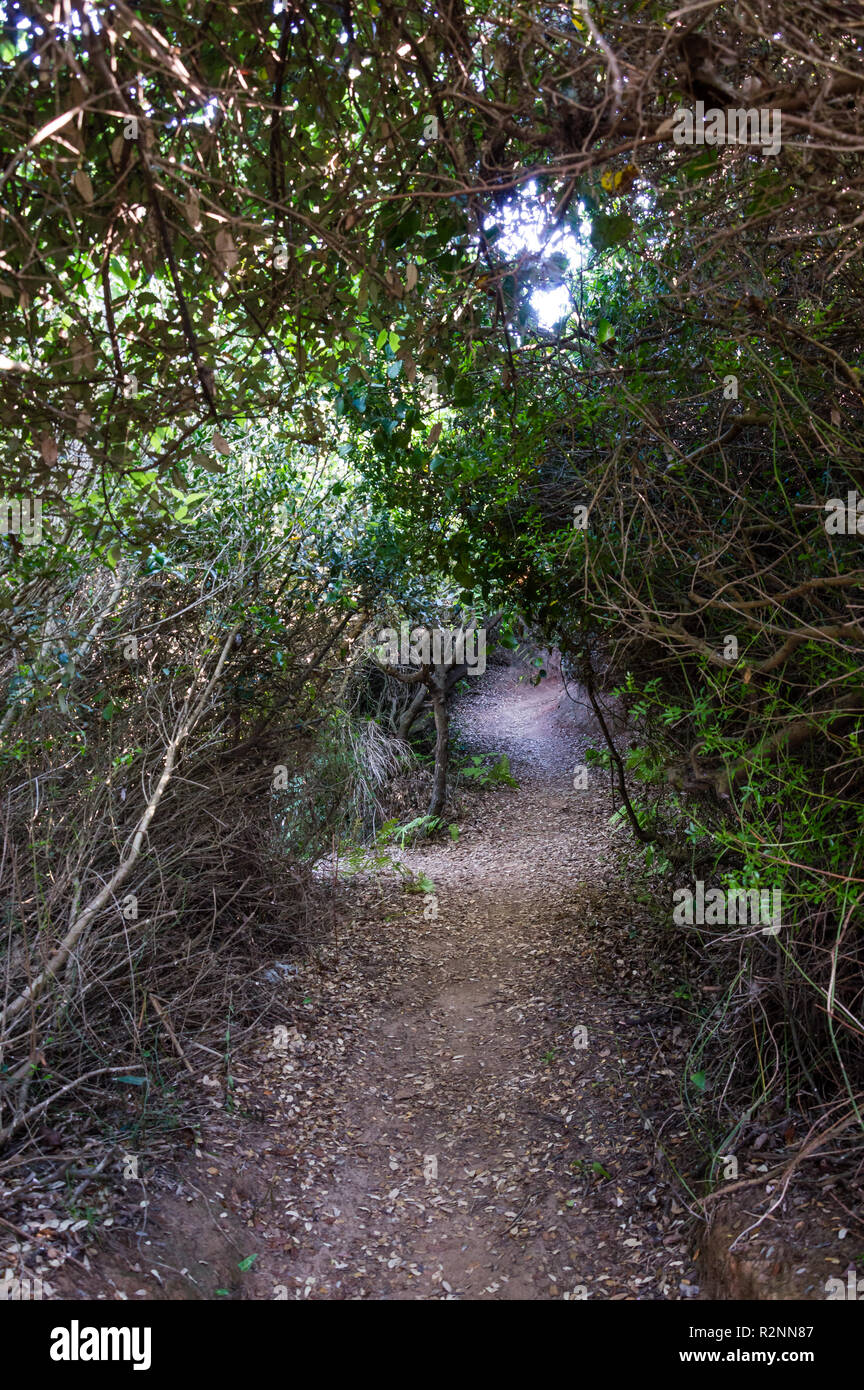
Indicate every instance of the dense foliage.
{"type": "Point", "coordinates": [265, 262]}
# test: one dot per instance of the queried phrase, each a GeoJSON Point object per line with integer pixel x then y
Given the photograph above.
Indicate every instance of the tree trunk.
{"type": "Point", "coordinates": [410, 714]}
{"type": "Point", "coordinates": [438, 691]}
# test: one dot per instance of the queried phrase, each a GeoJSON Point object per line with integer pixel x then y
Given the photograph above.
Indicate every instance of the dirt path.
{"type": "Point", "coordinates": [466, 1099]}
{"type": "Point", "coordinates": [437, 1129]}
{"type": "Point", "coordinates": [473, 1094]}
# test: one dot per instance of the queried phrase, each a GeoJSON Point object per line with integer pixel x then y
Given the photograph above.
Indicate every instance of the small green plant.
{"type": "Point", "coordinates": [416, 883]}
{"type": "Point", "coordinates": [584, 1168]}
{"type": "Point", "coordinates": [362, 859]}
{"type": "Point", "coordinates": [659, 863]}
{"type": "Point", "coordinates": [480, 770]}
{"type": "Point", "coordinates": [539, 670]}
{"type": "Point", "coordinates": [392, 831]}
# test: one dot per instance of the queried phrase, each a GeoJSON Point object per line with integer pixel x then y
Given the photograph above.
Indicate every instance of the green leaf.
{"type": "Point", "coordinates": [605, 331]}
{"type": "Point", "coordinates": [247, 1263]}
{"type": "Point", "coordinates": [610, 230]}
{"type": "Point", "coordinates": [464, 393]}
{"type": "Point", "coordinates": [698, 1079]}
{"type": "Point", "coordinates": [705, 163]}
